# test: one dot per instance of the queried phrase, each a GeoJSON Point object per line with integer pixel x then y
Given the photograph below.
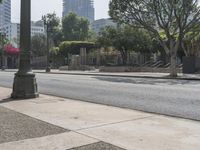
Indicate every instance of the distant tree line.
{"type": "Point", "coordinates": [72, 30]}
{"type": "Point", "coordinates": [170, 27]}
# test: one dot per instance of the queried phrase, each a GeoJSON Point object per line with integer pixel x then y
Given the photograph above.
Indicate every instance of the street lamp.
{"type": "Point", "coordinates": [46, 24]}
{"type": "Point", "coordinates": [25, 85]}
{"type": "Point", "coordinates": [2, 40]}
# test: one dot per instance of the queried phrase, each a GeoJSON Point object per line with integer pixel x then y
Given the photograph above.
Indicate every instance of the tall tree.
{"type": "Point", "coordinates": [75, 28]}
{"type": "Point", "coordinates": [175, 18]}
{"type": "Point", "coordinates": [191, 44]}
{"type": "Point", "coordinates": [125, 39]}
{"type": "Point", "coordinates": [52, 24]}
{"type": "Point", "coordinates": [38, 45]}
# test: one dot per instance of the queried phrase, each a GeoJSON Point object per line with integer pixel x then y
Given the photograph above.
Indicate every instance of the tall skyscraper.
{"type": "Point", "coordinates": [83, 8]}
{"type": "Point", "coordinates": [5, 12]}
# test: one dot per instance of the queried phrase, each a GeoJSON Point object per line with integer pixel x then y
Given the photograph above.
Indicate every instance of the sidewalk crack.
{"type": "Point", "coordinates": [113, 123]}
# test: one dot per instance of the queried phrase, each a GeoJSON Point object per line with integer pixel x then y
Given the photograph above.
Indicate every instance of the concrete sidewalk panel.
{"type": "Point", "coordinates": [15, 126]}
{"type": "Point", "coordinates": [55, 142]}
{"type": "Point", "coordinates": [4, 93]}
{"type": "Point", "coordinates": [72, 115]}
{"type": "Point", "coordinates": [98, 146]}
{"type": "Point", "coordinates": [154, 133]}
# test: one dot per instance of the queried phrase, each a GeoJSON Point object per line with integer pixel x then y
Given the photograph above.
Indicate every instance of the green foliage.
{"type": "Point", "coordinates": [51, 21]}
{"type": "Point", "coordinates": [174, 17]}
{"type": "Point", "coordinates": [53, 29]}
{"type": "Point", "coordinates": [75, 28]}
{"type": "Point", "coordinates": [92, 36]}
{"type": "Point", "coordinates": [38, 45]}
{"type": "Point", "coordinates": [57, 36]}
{"type": "Point", "coordinates": [55, 51]}
{"type": "Point", "coordinates": [73, 47]}
{"type": "Point", "coordinates": [125, 39]}
{"type": "Point", "coordinates": [3, 42]}
{"type": "Point", "coordinates": [191, 44]}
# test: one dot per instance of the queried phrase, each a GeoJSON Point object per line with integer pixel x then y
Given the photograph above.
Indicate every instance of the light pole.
{"type": "Point", "coordinates": [46, 24]}
{"type": "Point", "coordinates": [2, 38]}
{"type": "Point", "coordinates": [25, 85]}
{"type": "Point", "coordinates": [48, 68]}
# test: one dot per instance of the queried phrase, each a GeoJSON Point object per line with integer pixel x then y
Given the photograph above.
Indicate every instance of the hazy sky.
{"type": "Point", "coordinates": [40, 7]}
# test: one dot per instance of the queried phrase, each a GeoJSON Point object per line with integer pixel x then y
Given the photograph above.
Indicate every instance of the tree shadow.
{"type": "Point", "coordinates": [149, 81]}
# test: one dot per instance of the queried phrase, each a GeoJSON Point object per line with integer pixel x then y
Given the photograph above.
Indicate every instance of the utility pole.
{"type": "Point", "coordinates": [25, 85]}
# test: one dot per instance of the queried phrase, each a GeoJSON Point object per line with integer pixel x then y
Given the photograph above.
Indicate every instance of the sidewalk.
{"type": "Point", "coordinates": [195, 77]}
{"type": "Point", "coordinates": [52, 123]}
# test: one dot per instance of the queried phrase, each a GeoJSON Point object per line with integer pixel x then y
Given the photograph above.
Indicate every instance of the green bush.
{"type": "Point", "coordinates": [73, 47]}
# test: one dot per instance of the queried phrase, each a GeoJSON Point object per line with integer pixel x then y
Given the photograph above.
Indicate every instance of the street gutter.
{"type": "Point", "coordinates": [118, 75]}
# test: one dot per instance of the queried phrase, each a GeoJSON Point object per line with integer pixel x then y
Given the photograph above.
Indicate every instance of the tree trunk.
{"type": "Point", "coordinates": [124, 57]}
{"type": "Point", "coordinates": [173, 69]}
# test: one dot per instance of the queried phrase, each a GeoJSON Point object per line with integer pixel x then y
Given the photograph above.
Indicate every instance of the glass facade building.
{"type": "Point", "coordinates": [5, 12]}
{"type": "Point", "coordinates": [83, 8]}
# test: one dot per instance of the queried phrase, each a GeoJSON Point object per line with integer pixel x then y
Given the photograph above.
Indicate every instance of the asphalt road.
{"type": "Point", "coordinates": [170, 97]}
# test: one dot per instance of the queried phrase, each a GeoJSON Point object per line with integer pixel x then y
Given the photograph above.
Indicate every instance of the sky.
{"type": "Point", "coordinates": [42, 7]}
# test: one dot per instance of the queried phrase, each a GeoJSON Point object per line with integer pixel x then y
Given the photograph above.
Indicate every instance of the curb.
{"type": "Point", "coordinates": [115, 75]}
{"type": "Point", "coordinates": [124, 76]}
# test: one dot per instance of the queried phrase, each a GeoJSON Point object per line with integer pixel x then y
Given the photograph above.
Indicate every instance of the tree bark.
{"type": "Point", "coordinates": [124, 56]}
{"type": "Point", "coordinates": [173, 69]}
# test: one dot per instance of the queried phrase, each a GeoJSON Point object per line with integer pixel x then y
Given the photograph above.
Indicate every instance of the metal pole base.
{"type": "Point", "coordinates": [25, 86]}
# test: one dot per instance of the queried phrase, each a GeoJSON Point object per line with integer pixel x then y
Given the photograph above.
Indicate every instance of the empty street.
{"type": "Point", "coordinates": [169, 97]}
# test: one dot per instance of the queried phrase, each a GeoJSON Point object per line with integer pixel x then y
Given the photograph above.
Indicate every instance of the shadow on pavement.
{"type": "Point", "coordinates": [147, 81]}
{"type": "Point", "coordinates": [7, 100]}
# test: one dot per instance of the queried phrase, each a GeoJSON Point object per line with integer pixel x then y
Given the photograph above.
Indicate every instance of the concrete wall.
{"type": "Point", "coordinates": [135, 69]}
{"type": "Point", "coordinates": [191, 64]}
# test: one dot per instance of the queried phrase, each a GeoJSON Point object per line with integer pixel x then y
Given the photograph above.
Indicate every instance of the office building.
{"type": "Point", "coordinates": [5, 12]}
{"type": "Point", "coordinates": [12, 31]}
{"type": "Point", "coordinates": [97, 25]}
{"type": "Point", "coordinates": [83, 8]}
